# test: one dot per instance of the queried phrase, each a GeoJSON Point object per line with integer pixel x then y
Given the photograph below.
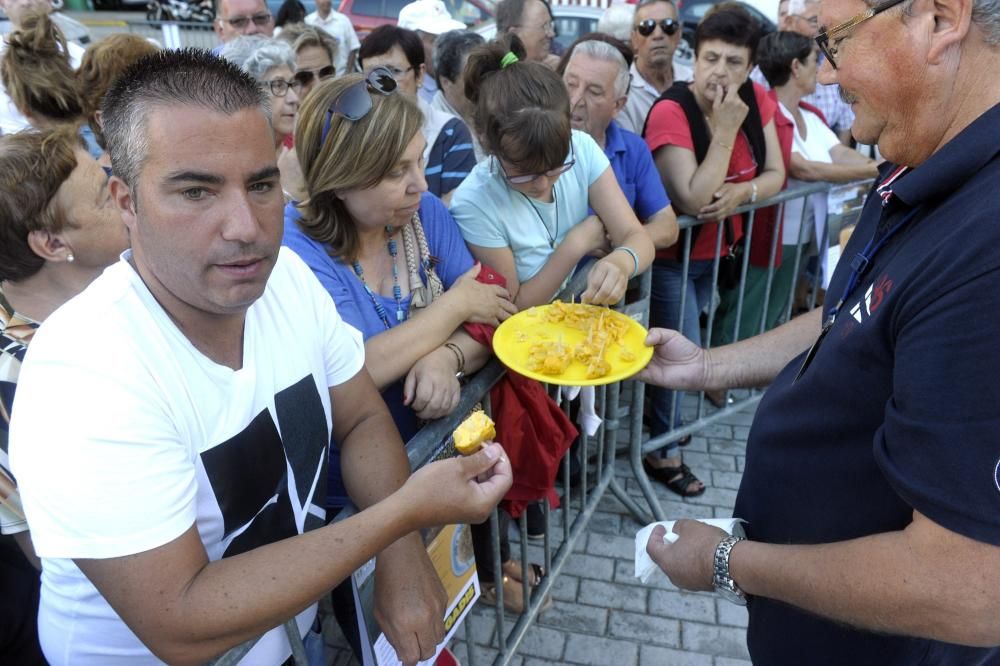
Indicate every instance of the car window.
{"type": "Point", "coordinates": [368, 7]}
{"type": "Point", "coordinates": [568, 29]}
{"type": "Point", "coordinates": [392, 7]}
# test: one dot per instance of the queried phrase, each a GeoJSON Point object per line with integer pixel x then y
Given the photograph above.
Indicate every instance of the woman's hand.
{"type": "Point", "coordinates": [728, 111]}
{"type": "Point", "coordinates": [606, 283]}
{"type": "Point", "coordinates": [482, 303]}
{"type": "Point", "coordinates": [726, 199]}
{"type": "Point", "coordinates": [431, 388]}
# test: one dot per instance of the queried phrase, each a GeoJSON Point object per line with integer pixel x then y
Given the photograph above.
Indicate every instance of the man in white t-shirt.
{"type": "Point", "coordinates": [338, 25]}
{"type": "Point", "coordinates": [174, 501]}
{"type": "Point", "coordinates": [656, 32]}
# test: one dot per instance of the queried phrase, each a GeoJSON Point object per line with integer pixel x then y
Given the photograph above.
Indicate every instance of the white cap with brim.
{"type": "Point", "coordinates": [428, 16]}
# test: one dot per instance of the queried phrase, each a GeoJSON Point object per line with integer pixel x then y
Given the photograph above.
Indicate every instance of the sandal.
{"type": "Point", "coordinates": [512, 568]}
{"type": "Point", "coordinates": [677, 479]}
{"type": "Point", "coordinates": [513, 596]}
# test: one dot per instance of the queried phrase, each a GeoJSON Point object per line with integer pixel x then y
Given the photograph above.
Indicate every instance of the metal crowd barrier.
{"type": "Point", "coordinates": [168, 34]}
{"type": "Point", "coordinates": [620, 407]}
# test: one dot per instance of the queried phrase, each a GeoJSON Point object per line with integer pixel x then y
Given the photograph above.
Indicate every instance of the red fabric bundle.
{"type": "Point", "coordinates": [534, 432]}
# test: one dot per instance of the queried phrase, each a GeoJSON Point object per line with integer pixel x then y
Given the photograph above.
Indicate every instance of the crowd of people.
{"type": "Point", "coordinates": [247, 276]}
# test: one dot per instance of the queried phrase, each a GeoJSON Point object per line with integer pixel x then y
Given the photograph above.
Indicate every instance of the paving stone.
{"type": "Point", "coordinates": [543, 642]}
{"type": "Point", "coordinates": [741, 433]}
{"type": "Point", "coordinates": [604, 523]}
{"type": "Point", "coordinates": [625, 575]}
{"type": "Point", "coordinates": [710, 461]}
{"type": "Point", "coordinates": [717, 431]}
{"type": "Point", "coordinates": [589, 566]}
{"type": "Point", "coordinates": [726, 447]}
{"type": "Point", "coordinates": [483, 623]}
{"type": "Point", "coordinates": [721, 641]}
{"type": "Point", "coordinates": [609, 595]}
{"type": "Point", "coordinates": [575, 617]}
{"type": "Point", "coordinates": [600, 651]}
{"type": "Point", "coordinates": [607, 545]}
{"type": "Point", "coordinates": [729, 661]}
{"type": "Point", "coordinates": [652, 655]}
{"type": "Point", "coordinates": [726, 480]}
{"type": "Point", "coordinates": [740, 463]}
{"type": "Point", "coordinates": [715, 497]}
{"type": "Point", "coordinates": [682, 605]}
{"type": "Point", "coordinates": [645, 628]}
{"type": "Point", "coordinates": [565, 588]}
{"type": "Point", "coordinates": [732, 615]}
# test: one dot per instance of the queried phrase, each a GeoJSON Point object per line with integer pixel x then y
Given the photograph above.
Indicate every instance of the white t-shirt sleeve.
{"type": "Point", "coordinates": [74, 422]}
{"type": "Point", "coordinates": [343, 345]}
{"type": "Point", "coordinates": [590, 156]}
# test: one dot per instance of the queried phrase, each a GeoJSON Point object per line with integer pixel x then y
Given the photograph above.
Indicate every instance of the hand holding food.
{"type": "Point", "coordinates": [473, 431]}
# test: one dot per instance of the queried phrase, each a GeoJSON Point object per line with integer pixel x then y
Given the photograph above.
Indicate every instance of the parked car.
{"type": "Point", "coordinates": [570, 21]}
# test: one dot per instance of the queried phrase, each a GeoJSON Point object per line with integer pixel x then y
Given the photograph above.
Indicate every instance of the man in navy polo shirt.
{"type": "Point", "coordinates": [872, 481]}
{"type": "Point", "coordinates": [596, 78]}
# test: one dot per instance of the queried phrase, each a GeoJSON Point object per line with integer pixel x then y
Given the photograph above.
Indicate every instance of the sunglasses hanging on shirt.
{"type": "Point", "coordinates": [646, 28]}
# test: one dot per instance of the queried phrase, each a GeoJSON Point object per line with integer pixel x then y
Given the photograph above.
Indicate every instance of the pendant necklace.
{"type": "Point", "coordinates": [397, 293]}
{"type": "Point", "coordinates": [555, 202]}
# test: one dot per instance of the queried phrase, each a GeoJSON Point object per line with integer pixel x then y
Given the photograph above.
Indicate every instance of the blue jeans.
{"type": "Point", "coordinates": [665, 312]}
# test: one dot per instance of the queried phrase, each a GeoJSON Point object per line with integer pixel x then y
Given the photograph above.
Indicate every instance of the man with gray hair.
{"type": "Point", "coordinates": [597, 80]}
{"type": "Point", "coordinates": [176, 504]}
{"type": "Point", "coordinates": [656, 32]}
{"type": "Point", "coordinates": [871, 495]}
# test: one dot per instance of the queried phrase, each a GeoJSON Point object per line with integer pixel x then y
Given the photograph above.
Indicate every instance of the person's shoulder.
{"type": "Point", "coordinates": [584, 144]}
{"type": "Point", "coordinates": [765, 102]}
{"type": "Point", "coordinates": [633, 142]}
{"type": "Point", "coordinates": [432, 209]}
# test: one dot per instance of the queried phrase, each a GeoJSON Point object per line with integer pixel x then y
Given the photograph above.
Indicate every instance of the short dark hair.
{"type": "Point", "coordinates": [521, 110]}
{"type": "Point", "coordinates": [449, 50]}
{"type": "Point", "coordinates": [290, 11]}
{"type": "Point", "coordinates": [729, 22]}
{"type": "Point", "coordinates": [185, 77]}
{"type": "Point", "coordinates": [383, 38]}
{"type": "Point", "coordinates": [776, 53]}
{"type": "Point", "coordinates": [33, 166]}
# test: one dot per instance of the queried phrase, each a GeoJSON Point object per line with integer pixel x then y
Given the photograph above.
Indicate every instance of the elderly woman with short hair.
{"type": "Point", "coordinates": [272, 63]}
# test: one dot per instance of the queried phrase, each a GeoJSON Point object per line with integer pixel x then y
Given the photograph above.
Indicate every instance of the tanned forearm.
{"type": "Point", "coordinates": [756, 361]}
{"type": "Point", "coordinates": [922, 581]}
{"type": "Point", "coordinates": [811, 171]}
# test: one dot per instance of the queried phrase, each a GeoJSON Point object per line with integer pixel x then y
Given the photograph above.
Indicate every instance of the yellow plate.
{"type": "Point", "coordinates": [514, 337]}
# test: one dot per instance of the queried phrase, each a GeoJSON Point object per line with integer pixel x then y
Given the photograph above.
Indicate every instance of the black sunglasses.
{"type": "Point", "coordinates": [306, 76]}
{"type": "Point", "coordinates": [355, 101]}
{"type": "Point", "coordinates": [646, 28]}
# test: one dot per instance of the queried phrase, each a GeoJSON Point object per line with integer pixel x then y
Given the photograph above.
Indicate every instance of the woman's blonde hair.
{"type": "Point", "coordinates": [355, 155]}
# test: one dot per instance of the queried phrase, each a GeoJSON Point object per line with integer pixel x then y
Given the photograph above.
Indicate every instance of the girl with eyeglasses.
{"type": "Point", "coordinates": [546, 196]}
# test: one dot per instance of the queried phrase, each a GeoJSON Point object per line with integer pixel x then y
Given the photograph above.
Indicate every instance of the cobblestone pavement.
{"type": "Point", "coordinates": [602, 615]}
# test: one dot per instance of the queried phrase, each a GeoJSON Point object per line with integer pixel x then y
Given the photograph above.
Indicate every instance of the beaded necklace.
{"type": "Point", "coordinates": [397, 293]}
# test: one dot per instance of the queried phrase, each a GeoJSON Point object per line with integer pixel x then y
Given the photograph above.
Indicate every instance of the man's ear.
{"type": "Point", "coordinates": [49, 246]}
{"type": "Point", "coordinates": [620, 104]}
{"type": "Point", "coordinates": [952, 20]}
{"type": "Point", "coordinates": [124, 200]}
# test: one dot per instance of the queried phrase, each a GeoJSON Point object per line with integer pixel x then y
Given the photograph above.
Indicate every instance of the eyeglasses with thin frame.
{"type": "Point", "coordinates": [669, 27]}
{"type": "Point", "coordinates": [355, 101]}
{"type": "Point", "coordinates": [823, 39]}
{"type": "Point", "coordinates": [524, 179]}
{"type": "Point", "coordinates": [306, 76]}
{"type": "Point", "coordinates": [279, 87]}
{"type": "Point", "coordinates": [241, 22]}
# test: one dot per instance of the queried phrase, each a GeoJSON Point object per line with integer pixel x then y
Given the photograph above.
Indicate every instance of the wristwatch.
{"type": "Point", "coordinates": [721, 580]}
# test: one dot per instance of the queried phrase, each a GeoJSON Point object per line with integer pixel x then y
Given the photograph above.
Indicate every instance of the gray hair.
{"type": "Point", "coordinates": [450, 50]}
{"type": "Point", "coordinates": [617, 21]}
{"type": "Point", "coordinates": [258, 55]}
{"type": "Point", "coordinates": [300, 36]}
{"type": "Point", "coordinates": [986, 15]}
{"type": "Point", "coordinates": [608, 53]}
{"type": "Point", "coordinates": [185, 77]}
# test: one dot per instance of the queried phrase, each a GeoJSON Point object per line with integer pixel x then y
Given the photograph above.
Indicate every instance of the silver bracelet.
{"type": "Point", "coordinates": [635, 258]}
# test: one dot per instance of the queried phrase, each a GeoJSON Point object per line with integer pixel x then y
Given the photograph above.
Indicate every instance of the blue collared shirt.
{"type": "Point", "coordinates": [636, 173]}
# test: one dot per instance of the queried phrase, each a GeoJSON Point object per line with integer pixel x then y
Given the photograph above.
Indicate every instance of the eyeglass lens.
{"type": "Point", "coordinates": [306, 76]}
{"type": "Point", "coordinates": [279, 87]}
{"type": "Point", "coordinates": [646, 28]}
{"type": "Point", "coordinates": [259, 20]}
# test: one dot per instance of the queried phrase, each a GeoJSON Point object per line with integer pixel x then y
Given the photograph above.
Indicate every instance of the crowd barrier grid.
{"type": "Point", "coordinates": [620, 407]}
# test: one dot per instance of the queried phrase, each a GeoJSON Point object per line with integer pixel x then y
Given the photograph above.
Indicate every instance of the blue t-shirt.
{"type": "Point", "coordinates": [898, 409]}
{"type": "Point", "coordinates": [492, 214]}
{"type": "Point", "coordinates": [355, 305]}
{"type": "Point", "coordinates": [635, 171]}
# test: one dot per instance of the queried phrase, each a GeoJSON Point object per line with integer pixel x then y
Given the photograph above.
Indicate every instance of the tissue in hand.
{"type": "Point", "coordinates": [644, 564]}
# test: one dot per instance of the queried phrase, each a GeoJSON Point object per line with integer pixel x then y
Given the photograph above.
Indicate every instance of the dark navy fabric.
{"type": "Point", "coordinates": [898, 411]}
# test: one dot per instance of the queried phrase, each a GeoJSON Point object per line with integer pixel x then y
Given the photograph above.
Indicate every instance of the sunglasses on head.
{"type": "Point", "coordinates": [355, 101]}
{"type": "Point", "coordinates": [646, 28]}
{"type": "Point", "coordinates": [306, 76]}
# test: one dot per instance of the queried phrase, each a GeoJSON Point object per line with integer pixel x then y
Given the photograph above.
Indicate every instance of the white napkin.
{"type": "Point", "coordinates": [645, 567]}
{"type": "Point", "coordinates": [587, 417]}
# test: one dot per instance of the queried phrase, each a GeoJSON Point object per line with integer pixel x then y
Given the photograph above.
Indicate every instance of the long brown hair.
{"type": "Point", "coordinates": [521, 109]}
{"type": "Point", "coordinates": [37, 73]}
{"type": "Point", "coordinates": [355, 155]}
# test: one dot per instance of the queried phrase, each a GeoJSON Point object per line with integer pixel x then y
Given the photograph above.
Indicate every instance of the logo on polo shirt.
{"type": "Point", "coordinates": [874, 297]}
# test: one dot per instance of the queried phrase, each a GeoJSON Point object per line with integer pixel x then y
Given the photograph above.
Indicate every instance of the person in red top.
{"type": "Point", "coordinates": [716, 148]}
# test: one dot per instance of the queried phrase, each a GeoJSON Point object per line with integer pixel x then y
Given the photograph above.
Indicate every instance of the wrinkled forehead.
{"type": "Point", "coordinates": [590, 70]}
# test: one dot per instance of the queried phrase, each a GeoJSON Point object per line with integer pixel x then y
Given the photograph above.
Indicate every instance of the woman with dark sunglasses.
{"type": "Point", "coordinates": [716, 147]}
{"type": "Point", "coordinates": [528, 209]}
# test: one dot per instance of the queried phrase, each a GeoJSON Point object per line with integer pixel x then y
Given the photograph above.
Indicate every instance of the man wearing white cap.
{"type": "Point", "coordinates": [429, 18]}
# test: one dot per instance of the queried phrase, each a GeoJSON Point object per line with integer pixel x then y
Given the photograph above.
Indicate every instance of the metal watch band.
{"type": "Point", "coordinates": [722, 581]}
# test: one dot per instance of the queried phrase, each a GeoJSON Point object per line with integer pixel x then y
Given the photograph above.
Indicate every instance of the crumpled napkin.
{"type": "Point", "coordinates": [587, 417]}
{"type": "Point", "coordinates": [645, 567]}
